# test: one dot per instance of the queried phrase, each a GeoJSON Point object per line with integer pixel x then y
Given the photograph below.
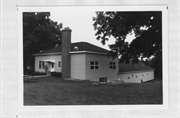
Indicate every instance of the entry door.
{"type": "Point", "coordinates": [52, 68]}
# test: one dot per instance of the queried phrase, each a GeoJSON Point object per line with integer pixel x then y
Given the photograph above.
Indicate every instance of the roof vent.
{"type": "Point", "coordinates": [76, 48]}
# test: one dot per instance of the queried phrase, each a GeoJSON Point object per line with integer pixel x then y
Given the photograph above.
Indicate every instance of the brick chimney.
{"type": "Point", "coordinates": [66, 48]}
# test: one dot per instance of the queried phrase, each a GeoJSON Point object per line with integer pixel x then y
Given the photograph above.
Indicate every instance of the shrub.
{"type": "Point", "coordinates": [28, 71]}
{"type": "Point", "coordinates": [56, 74]}
{"type": "Point", "coordinates": [38, 73]}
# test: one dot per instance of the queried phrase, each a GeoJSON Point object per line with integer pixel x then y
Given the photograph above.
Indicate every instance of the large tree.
{"type": "Point", "coordinates": [156, 63]}
{"type": "Point", "coordinates": [39, 33]}
{"type": "Point", "coordinates": [147, 27]}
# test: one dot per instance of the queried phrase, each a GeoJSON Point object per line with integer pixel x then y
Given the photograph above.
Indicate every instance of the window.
{"type": "Point", "coordinates": [42, 64]}
{"type": "Point", "coordinates": [112, 65]}
{"type": "Point", "coordinates": [59, 64]}
{"type": "Point", "coordinates": [94, 65]}
{"type": "Point", "coordinates": [39, 64]}
{"type": "Point", "coordinates": [103, 80]}
{"type": "Point", "coordinates": [128, 77]}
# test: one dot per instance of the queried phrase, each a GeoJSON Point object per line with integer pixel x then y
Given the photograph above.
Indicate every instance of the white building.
{"type": "Point", "coordinates": [90, 62]}
{"type": "Point", "coordinates": [86, 61]}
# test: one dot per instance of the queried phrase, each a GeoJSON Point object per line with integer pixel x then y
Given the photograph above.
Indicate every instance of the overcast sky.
{"type": "Point", "coordinates": [79, 19]}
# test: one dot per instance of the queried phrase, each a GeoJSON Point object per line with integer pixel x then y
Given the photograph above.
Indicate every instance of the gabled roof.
{"type": "Point", "coordinates": [124, 68]}
{"type": "Point", "coordinates": [76, 47]}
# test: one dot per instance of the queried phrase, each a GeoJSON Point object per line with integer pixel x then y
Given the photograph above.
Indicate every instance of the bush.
{"type": "Point", "coordinates": [28, 72]}
{"type": "Point", "coordinates": [38, 73]}
{"type": "Point", "coordinates": [56, 74]}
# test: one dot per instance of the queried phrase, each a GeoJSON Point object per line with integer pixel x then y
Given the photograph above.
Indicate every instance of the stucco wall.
{"type": "Point", "coordinates": [78, 66]}
{"type": "Point", "coordinates": [136, 77]}
{"type": "Point", "coordinates": [56, 58]}
{"type": "Point", "coordinates": [103, 71]}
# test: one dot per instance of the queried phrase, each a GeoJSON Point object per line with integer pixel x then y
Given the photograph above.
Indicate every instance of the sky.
{"type": "Point", "coordinates": [79, 20]}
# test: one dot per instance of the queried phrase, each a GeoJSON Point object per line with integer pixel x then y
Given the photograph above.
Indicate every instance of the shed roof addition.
{"type": "Point", "coordinates": [124, 68]}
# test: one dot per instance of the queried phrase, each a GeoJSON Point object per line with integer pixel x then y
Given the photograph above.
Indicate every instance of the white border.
{"type": "Point", "coordinates": [162, 8]}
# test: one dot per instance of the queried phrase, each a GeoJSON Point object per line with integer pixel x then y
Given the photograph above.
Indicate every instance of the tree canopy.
{"type": "Point", "coordinates": [147, 27]}
{"type": "Point", "coordinates": [39, 33]}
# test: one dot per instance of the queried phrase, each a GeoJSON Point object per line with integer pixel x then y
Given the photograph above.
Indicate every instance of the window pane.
{"type": "Point", "coordinates": [96, 63]}
{"type": "Point", "coordinates": [92, 62]}
{"type": "Point", "coordinates": [110, 63]}
{"type": "Point", "coordinates": [110, 67]}
{"type": "Point", "coordinates": [92, 67]}
{"type": "Point", "coordinates": [114, 67]}
{"type": "Point", "coordinates": [114, 63]}
{"type": "Point", "coordinates": [96, 67]}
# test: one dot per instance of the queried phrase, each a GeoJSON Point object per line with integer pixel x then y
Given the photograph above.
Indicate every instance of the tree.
{"type": "Point", "coordinates": [39, 33]}
{"type": "Point", "coordinates": [156, 63]}
{"type": "Point", "coordinates": [147, 27]}
{"type": "Point", "coordinates": [147, 62]}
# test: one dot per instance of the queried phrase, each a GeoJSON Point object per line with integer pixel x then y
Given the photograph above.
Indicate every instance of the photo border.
{"type": "Point", "coordinates": [162, 8]}
{"type": "Point", "coordinates": [10, 89]}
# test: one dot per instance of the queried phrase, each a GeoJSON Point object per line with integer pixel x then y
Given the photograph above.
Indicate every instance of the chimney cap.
{"type": "Point", "coordinates": [66, 29]}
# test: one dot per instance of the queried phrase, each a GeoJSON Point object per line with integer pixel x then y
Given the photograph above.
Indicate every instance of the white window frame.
{"type": "Point", "coordinates": [58, 64]}
{"type": "Point", "coordinates": [43, 64]}
{"type": "Point", "coordinates": [112, 65]}
{"type": "Point", "coordinates": [94, 65]}
{"type": "Point", "coordinates": [40, 65]}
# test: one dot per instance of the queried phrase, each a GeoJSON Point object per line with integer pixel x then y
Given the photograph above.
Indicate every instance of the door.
{"type": "Point", "coordinates": [52, 68]}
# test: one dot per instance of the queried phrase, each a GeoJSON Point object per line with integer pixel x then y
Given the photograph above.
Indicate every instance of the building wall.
{"type": "Point", "coordinates": [104, 67]}
{"type": "Point", "coordinates": [136, 77]}
{"type": "Point", "coordinates": [78, 66]}
{"type": "Point", "coordinates": [56, 58]}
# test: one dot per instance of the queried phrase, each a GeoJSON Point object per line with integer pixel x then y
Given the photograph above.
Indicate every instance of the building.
{"type": "Point", "coordinates": [86, 61]}
{"type": "Point", "coordinates": [136, 73]}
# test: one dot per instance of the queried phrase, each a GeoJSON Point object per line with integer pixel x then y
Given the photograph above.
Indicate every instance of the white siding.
{"type": "Point", "coordinates": [56, 58]}
{"type": "Point", "coordinates": [78, 66]}
{"type": "Point", "coordinates": [136, 77]}
{"type": "Point", "coordinates": [103, 71]}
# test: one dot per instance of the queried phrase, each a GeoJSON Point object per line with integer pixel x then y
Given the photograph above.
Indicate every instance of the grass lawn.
{"type": "Point", "coordinates": [56, 91]}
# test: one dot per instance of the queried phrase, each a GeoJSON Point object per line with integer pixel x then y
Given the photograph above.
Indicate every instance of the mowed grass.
{"type": "Point", "coordinates": [56, 91]}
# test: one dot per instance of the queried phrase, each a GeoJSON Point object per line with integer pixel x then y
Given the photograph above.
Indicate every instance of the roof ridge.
{"type": "Point", "coordinates": [82, 46]}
